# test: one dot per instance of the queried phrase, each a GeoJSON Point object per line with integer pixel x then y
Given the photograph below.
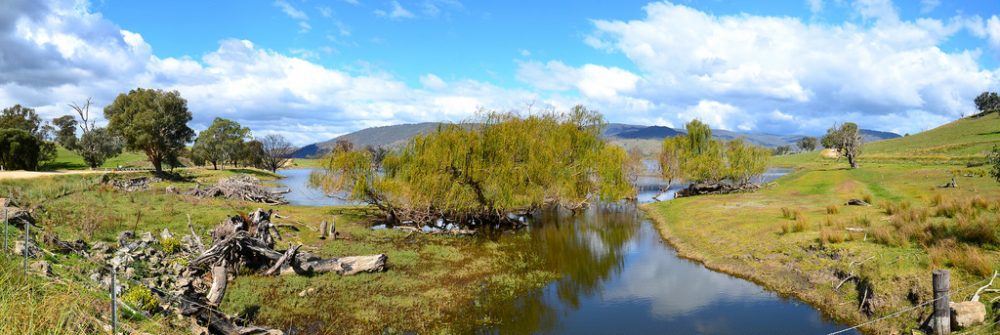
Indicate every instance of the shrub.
{"type": "Point", "coordinates": [970, 259]}
{"type": "Point", "coordinates": [863, 221]}
{"type": "Point", "coordinates": [170, 245]}
{"type": "Point", "coordinates": [912, 215]}
{"type": "Point", "coordinates": [937, 199]}
{"type": "Point", "coordinates": [832, 209]}
{"type": "Point", "coordinates": [893, 208]}
{"type": "Point", "coordinates": [787, 213]}
{"type": "Point", "coordinates": [141, 297]}
{"type": "Point", "coordinates": [830, 236]}
{"type": "Point", "coordinates": [979, 203]}
{"type": "Point", "coordinates": [976, 231]}
{"type": "Point", "coordinates": [800, 224]}
{"type": "Point", "coordinates": [867, 198]}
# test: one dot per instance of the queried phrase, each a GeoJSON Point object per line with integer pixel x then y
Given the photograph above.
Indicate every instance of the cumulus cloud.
{"type": "Point", "coordinates": [67, 54]}
{"type": "Point", "coordinates": [693, 63]}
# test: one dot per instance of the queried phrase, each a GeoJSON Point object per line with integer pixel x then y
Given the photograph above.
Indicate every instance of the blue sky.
{"type": "Point", "coordinates": [312, 69]}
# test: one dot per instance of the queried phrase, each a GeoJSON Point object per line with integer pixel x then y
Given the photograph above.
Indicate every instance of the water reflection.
{"type": "Point", "coordinates": [618, 277]}
{"type": "Point", "coordinates": [297, 182]}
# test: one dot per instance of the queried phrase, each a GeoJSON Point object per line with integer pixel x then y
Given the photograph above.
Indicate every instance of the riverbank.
{"type": "Point", "coordinates": [431, 285]}
{"type": "Point", "coordinates": [792, 237]}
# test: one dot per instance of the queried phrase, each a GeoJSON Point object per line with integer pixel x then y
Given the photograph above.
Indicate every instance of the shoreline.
{"type": "Point", "coordinates": [690, 253]}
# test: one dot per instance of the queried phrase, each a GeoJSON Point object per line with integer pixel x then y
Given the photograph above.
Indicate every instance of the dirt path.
{"type": "Point", "coordinates": [36, 174]}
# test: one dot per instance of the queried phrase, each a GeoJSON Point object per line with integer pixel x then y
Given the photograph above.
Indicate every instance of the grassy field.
{"type": "Point", "coordinates": [793, 235]}
{"type": "Point", "coordinates": [69, 160]}
{"type": "Point", "coordinates": [430, 287]}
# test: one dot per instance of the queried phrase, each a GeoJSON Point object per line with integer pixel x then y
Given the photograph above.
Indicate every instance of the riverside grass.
{"type": "Point", "coordinates": [913, 227]}
{"type": "Point", "coordinates": [430, 287]}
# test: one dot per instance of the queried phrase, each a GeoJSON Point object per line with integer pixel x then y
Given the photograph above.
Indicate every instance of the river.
{"type": "Point", "coordinates": [619, 277]}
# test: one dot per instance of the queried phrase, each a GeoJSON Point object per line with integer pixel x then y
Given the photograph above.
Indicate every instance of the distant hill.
{"type": "Point", "coordinates": [396, 135]}
{"type": "Point", "coordinates": [967, 139]}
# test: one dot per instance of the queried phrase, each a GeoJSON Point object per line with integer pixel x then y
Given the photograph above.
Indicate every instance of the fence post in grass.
{"type": "Point", "coordinates": [27, 229]}
{"type": "Point", "coordinates": [941, 319]}
{"type": "Point", "coordinates": [114, 301]}
{"type": "Point", "coordinates": [333, 229]}
{"type": "Point", "coordinates": [5, 222]}
{"type": "Point", "coordinates": [322, 230]}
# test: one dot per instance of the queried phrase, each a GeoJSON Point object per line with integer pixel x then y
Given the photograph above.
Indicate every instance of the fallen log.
{"type": "Point", "coordinates": [344, 266]}
{"type": "Point", "coordinates": [219, 280]}
{"type": "Point", "coordinates": [287, 257]}
{"type": "Point", "coordinates": [242, 187]}
{"type": "Point", "coordinates": [857, 202]}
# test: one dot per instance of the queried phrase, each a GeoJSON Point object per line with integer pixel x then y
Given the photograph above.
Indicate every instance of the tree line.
{"type": "Point", "coordinates": [151, 121]}
{"type": "Point", "coordinates": [481, 172]}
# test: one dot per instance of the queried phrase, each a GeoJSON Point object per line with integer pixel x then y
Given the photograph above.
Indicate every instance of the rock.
{"type": "Point", "coordinates": [170, 190]}
{"type": "Point", "coordinates": [33, 251]}
{"type": "Point", "coordinates": [306, 292]}
{"type": "Point", "coordinates": [165, 234]}
{"type": "Point", "coordinates": [966, 314]}
{"type": "Point", "coordinates": [101, 248]}
{"type": "Point", "coordinates": [129, 273]}
{"type": "Point", "coordinates": [42, 268]}
{"type": "Point", "coordinates": [125, 237]}
{"type": "Point", "coordinates": [857, 202]}
{"type": "Point", "coordinates": [147, 237]}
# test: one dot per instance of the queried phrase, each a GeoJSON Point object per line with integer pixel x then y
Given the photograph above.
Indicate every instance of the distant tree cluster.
{"type": "Point", "coordinates": [782, 150]}
{"type": "Point", "coordinates": [846, 139]}
{"type": "Point", "coordinates": [24, 140]}
{"type": "Point", "coordinates": [807, 143]}
{"type": "Point", "coordinates": [96, 145]}
{"type": "Point", "coordinates": [696, 157]}
{"type": "Point", "coordinates": [987, 102]}
{"type": "Point", "coordinates": [477, 174]}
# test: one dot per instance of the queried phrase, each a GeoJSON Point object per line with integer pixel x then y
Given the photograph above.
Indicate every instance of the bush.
{"type": "Point", "coordinates": [170, 245]}
{"type": "Point", "coordinates": [893, 208]}
{"type": "Point", "coordinates": [977, 231]}
{"type": "Point", "coordinates": [789, 213]}
{"type": "Point", "coordinates": [19, 150]}
{"type": "Point", "coordinates": [800, 224]}
{"type": "Point", "coordinates": [141, 297]}
{"type": "Point", "coordinates": [832, 209]}
{"type": "Point", "coordinates": [970, 259]}
{"type": "Point", "coordinates": [831, 236]}
{"type": "Point", "coordinates": [937, 199]}
{"type": "Point", "coordinates": [867, 198]}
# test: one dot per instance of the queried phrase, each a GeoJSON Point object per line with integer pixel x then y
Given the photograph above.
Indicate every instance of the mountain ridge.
{"type": "Point", "coordinates": [397, 135]}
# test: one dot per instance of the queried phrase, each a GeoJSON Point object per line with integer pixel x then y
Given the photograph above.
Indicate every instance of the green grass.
{"type": "Point", "coordinates": [745, 234]}
{"type": "Point", "coordinates": [69, 160]}
{"type": "Point", "coordinates": [968, 139]}
{"type": "Point", "coordinates": [430, 287]}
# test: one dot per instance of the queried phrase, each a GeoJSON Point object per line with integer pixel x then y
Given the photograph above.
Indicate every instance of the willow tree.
{"type": "Point", "coordinates": [697, 158]}
{"type": "Point", "coordinates": [481, 171]}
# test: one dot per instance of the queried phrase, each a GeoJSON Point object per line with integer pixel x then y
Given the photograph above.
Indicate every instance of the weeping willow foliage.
{"type": "Point", "coordinates": [479, 172]}
{"type": "Point", "coordinates": [696, 157]}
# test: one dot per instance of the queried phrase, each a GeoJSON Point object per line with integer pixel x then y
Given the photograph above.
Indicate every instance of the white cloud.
{"type": "Point", "coordinates": [290, 10]}
{"type": "Point", "coordinates": [927, 6]}
{"type": "Point", "coordinates": [325, 11]}
{"type": "Point", "coordinates": [432, 82]}
{"type": "Point", "coordinates": [593, 81]}
{"type": "Point", "coordinates": [815, 6]}
{"type": "Point", "coordinates": [395, 12]}
{"type": "Point", "coordinates": [688, 60]}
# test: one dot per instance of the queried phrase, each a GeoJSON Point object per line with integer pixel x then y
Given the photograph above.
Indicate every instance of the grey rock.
{"type": "Point", "coordinates": [966, 314]}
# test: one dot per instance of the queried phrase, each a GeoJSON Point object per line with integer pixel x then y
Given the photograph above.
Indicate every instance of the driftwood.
{"type": "Point", "coordinates": [950, 184]}
{"type": "Point", "coordinates": [15, 215]}
{"type": "Point", "coordinates": [219, 279]}
{"type": "Point", "coordinates": [243, 187]}
{"type": "Point", "coordinates": [714, 188]}
{"type": "Point", "coordinates": [128, 184]}
{"type": "Point", "coordinates": [857, 202]}
{"type": "Point", "coordinates": [63, 247]}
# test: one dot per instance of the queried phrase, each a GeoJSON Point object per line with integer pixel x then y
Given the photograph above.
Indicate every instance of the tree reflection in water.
{"type": "Point", "coordinates": [585, 249]}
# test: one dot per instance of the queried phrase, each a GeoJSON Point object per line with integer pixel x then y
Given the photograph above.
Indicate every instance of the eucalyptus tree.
{"type": "Point", "coordinates": [221, 142]}
{"type": "Point", "coordinates": [277, 152]}
{"type": "Point", "coordinates": [846, 139]}
{"type": "Point", "coordinates": [26, 119]}
{"type": "Point", "coordinates": [481, 171]}
{"type": "Point", "coordinates": [153, 121]}
{"type": "Point", "coordinates": [97, 145]}
{"type": "Point", "coordinates": [806, 143]}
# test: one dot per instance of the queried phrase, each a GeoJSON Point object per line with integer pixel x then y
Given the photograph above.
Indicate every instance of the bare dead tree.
{"type": "Point", "coordinates": [277, 151]}
{"type": "Point", "coordinates": [86, 124]}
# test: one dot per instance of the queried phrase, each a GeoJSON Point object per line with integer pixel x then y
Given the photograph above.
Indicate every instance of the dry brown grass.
{"type": "Point", "coordinates": [832, 209]}
{"type": "Point", "coordinates": [950, 253]}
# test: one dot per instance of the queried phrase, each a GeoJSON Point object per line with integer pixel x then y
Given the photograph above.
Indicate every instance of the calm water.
{"type": "Point", "coordinates": [297, 180]}
{"type": "Point", "coordinates": [619, 277]}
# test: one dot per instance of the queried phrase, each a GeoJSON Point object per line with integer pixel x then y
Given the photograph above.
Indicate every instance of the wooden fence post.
{"type": "Point", "coordinates": [322, 230]}
{"type": "Point", "coordinates": [114, 300]}
{"type": "Point", "coordinates": [941, 319]}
